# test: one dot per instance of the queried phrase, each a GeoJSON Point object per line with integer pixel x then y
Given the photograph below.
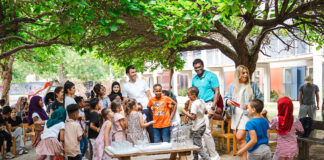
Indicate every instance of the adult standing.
{"type": "Point", "coordinates": [139, 90]}
{"type": "Point", "coordinates": [307, 94]}
{"type": "Point", "coordinates": [208, 86]}
{"type": "Point", "coordinates": [241, 91]}
{"type": "Point", "coordinates": [115, 89]}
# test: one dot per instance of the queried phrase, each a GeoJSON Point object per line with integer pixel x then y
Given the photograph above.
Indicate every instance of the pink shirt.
{"type": "Point", "coordinates": [287, 144]}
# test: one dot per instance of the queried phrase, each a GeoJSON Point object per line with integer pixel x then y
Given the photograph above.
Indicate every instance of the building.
{"type": "Point", "coordinates": [282, 73]}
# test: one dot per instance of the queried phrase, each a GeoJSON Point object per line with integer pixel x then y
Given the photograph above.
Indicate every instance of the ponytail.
{"type": "Point", "coordinates": [130, 104]}
{"type": "Point", "coordinates": [95, 91]}
{"type": "Point", "coordinates": [67, 85]}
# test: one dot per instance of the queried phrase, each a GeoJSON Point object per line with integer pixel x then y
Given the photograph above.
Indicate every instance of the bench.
{"type": "Point", "coordinates": [304, 143]}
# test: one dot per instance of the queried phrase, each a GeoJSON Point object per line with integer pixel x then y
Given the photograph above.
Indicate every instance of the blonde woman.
{"type": "Point", "coordinates": [241, 91]}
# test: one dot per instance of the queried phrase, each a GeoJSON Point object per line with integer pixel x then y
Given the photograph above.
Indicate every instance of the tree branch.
{"type": "Point", "coordinates": [5, 39]}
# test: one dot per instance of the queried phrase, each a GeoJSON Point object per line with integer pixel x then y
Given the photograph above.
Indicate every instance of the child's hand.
{"type": "Point", "coordinates": [239, 153]}
{"type": "Point", "coordinates": [153, 122]}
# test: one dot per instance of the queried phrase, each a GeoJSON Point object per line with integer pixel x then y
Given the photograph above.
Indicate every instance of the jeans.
{"type": "Point", "coordinates": [149, 129]}
{"type": "Point", "coordinates": [163, 133]}
{"type": "Point", "coordinates": [83, 145]}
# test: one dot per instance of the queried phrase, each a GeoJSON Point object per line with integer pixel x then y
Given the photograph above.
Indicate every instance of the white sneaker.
{"type": "Point", "coordinates": [9, 155]}
{"type": "Point", "coordinates": [215, 158]}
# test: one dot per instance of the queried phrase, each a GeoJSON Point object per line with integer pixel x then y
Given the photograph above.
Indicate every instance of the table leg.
{"type": "Point", "coordinates": [173, 156]}
{"type": "Point", "coordinates": [124, 158]}
{"type": "Point", "coordinates": [182, 156]}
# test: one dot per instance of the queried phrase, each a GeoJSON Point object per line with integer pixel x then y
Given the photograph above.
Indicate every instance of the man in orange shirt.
{"type": "Point", "coordinates": [161, 107]}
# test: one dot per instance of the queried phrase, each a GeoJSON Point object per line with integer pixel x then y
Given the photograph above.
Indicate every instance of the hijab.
{"type": "Point", "coordinates": [34, 107]}
{"type": "Point", "coordinates": [111, 95]}
{"type": "Point", "coordinates": [285, 115]}
{"type": "Point", "coordinates": [57, 116]}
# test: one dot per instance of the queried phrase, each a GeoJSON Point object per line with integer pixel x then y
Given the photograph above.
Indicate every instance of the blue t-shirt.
{"type": "Point", "coordinates": [261, 126]}
{"type": "Point", "coordinates": [205, 84]}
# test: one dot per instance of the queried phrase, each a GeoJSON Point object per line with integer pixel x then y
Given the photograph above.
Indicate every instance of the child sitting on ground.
{"type": "Point", "coordinates": [257, 137]}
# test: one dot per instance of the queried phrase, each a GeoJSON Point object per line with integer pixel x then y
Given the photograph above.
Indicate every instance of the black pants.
{"type": "Point", "coordinates": [78, 157]}
{"type": "Point", "coordinates": [5, 136]}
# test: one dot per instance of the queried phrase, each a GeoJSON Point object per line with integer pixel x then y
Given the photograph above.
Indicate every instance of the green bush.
{"type": "Point", "coordinates": [274, 96]}
{"type": "Point", "coordinates": [182, 92]}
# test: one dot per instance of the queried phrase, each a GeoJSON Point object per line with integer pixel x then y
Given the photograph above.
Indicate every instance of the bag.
{"type": "Point", "coordinates": [218, 115]}
{"type": "Point", "coordinates": [307, 125]}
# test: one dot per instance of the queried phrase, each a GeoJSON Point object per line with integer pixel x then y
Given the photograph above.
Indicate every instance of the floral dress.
{"type": "Point", "coordinates": [135, 131]}
{"type": "Point", "coordinates": [99, 146]}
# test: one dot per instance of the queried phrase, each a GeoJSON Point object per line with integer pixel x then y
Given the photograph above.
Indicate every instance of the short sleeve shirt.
{"type": "Point", "coordinates": [54, 106]}
{"type": "Point", "coordinates": [260, 126]}
{"type": "Point", "coordinates": [308, 93]}
{"type": "Point", "coordinates": [161, 111]}
{"type": "Point", "coordinates": [68, 100]}
{"type": "Point", "coordinates": [198, 107]}
{"type": "Point", "coordinates": [94, 118]}
{"type": "Point", "coordinates": [136, 91]}
{"type": "Point", "coordinates": [73, 130]}
{"type": "Point", "coordinates": [3, 121]}
{"type": "Point", "coordinates": [205, 84]}
{"type": "Point", "coordinates": [53, 131]}
{"type": "Point", "coordinates": [16, 122]}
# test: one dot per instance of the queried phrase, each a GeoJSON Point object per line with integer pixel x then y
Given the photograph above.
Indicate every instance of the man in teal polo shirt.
{"type": "Point", "coordinates": [208, 85]}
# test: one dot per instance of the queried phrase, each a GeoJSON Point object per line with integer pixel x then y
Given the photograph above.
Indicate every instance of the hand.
{"type": "Point", "coordinates": [317, 107]}
{"type": "Point", "coordinates": [211, 112]}
{"type": "Point", "coordinates": [230, 103]}
{"type": "Point", "coordinates": [153, 122]}
{"type": "Point", "coordinates": [239, 153]}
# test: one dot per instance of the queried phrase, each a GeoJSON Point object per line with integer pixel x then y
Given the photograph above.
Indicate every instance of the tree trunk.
{"type": "Point", "coordinates": [6, 76]}
{"type": "Point", "coordinates": [62, 77]}
{"type": "Point", "coordinates": [247, 60]}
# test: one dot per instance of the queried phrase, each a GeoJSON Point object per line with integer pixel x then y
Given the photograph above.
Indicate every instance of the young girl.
{"type": "Point", "coordinates": [24, 113]}
{"type": "Point", "coordinates": [99, 91]}
{"type": "Point", "coordinates": [58, 99]}
{"type": "Point", "coordinates": [50, 145]}
{"type": "Point", "coordinates": [105, 136]}
{"type": "Point", "coordinates": [17, 131]}
{"type": "Point", "coordinates": [119, 121]}
{"type": "Point", "coordinates": [287, 126]}
{"type": "Point", "coordinates": [115, 89]}
{"type": "Point", "coordinates": [69, 91]}
{"type": "Point", "coordinates": [94, 120]}
{"type": "Point", "coordinates": [37, 116]}
{"type": "Point", "coordinates": [135, 122]}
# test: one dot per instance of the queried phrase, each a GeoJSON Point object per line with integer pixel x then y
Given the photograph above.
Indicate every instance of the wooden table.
{"type": "Point", "coordinates": [181, 151]}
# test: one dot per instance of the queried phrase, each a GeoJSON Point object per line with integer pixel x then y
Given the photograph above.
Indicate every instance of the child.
{"type": "Point", "coordinates": [87, 109]}
{"type": "Point", "coordinates": [197, 113]}
{"type": "Point", "coordinates": [3, 134]}
{"type": "Point", "coordinates": [176, 121]}
{"type": "Point", "coordinates": [37, 116]}
{"type": "Point", "coordinates": [24, 113]}
{"type": "Point", "coordinates": [81, 120]}
{"type": "Point", "coordinates": [73, 133]}
{"type": "Point", "coordinates": [105, 136]}
{"type": "Point", "coordinates": [119, 121]}
{"type": "Point", "coordinates": [99, 91]}
{"type": "Point", "coordinates": [135, 122]}
{"type": "Point", "coordinates": [94, 128]}
{"type": "Point", "coordinates": [256, 138]}
{"type": "Point", "coordinates": [17, 131]}
{"type": "Point", "coordinates": [287, 126]}
{"type": "Point", "coordinates": [49, 144]}
{"type": "Point", "coordinates": [69, 91]}
{"type": "Point", "coordinates": [58, 99]}
{"type": "Point", "coordinates": [161, 106]}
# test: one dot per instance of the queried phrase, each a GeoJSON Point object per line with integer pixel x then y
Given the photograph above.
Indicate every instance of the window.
{"type": "Point", "coordinates": [197, 54]}
{"type": "Point", "coordinates": [287, 82]}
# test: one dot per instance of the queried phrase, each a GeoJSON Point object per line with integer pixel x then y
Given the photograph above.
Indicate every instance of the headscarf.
{"type": "Point", "coordinates": [57, 116]}
{"type": "Point", "coordinates": [285, 115]}
{"type": "Point", "coordinates": [111, 95]}
{"type": "Point", "coordinates": [35, 107]}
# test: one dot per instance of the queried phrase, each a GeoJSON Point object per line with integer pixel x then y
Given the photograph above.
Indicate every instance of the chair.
{"type": "Point", "coordinates": [30, 134]}
{"type": "Point", "coordinates": [272, 142]}
{"type": "Point", "coordinates": [221, 135]}
{"type": "Point", "coordinates": [13, 147]}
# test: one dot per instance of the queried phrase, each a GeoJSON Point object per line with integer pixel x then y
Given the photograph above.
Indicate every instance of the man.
{"type": "Point", "coordinates": [139, 90]}
{"type": "Point", "coordinates": [208, 85]}
{"type": "Point", "coordinates": [307, 94]}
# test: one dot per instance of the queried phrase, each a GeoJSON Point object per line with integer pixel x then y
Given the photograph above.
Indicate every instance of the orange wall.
{"type": "Point", "coordinates": [229, 78]}
{"type": "Point", "coordinates": [276, 79]}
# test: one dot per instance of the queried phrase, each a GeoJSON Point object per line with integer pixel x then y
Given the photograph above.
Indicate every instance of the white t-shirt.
{"type": "Point", "coordinates": [36, 115]}
{"type": "Point", "coordinates": [68, 100]}
{"type": "Point", "coordinates": [198, 107]}
{"type": "Point", "coordinates": [176, 119]}
{"type": "Point", "coordinates": [137, 91]}
{"type": "Point", "coordinates": [53, 131]}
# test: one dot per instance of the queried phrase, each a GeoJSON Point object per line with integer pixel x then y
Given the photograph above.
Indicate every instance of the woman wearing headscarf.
{"type": "Point", "coordinates": [115, 89]}
{"type": "Point", "coordinates": [20, 105]}
{"type": "Point", "coordinates": [49, 144]}
{"type": "Point", "coordinates": [238, 95]}
{"type": "Point", "coordinates": [36, 116]}
{"type": "Point", "coordinates": [287, 126]}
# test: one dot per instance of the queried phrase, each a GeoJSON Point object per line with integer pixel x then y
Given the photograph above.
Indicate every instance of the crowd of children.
{"type": "Point", "coordinates": [74, 127]}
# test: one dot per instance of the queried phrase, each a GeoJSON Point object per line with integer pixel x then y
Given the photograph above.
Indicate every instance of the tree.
{"type": "Point", "coordinates": [238, 28]}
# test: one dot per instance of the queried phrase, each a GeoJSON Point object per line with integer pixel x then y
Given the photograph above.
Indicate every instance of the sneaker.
{"type": "Point", "coordinates": [21, 151]}
{"type": "Point", "coordinates": [25, 151]}
{"type": "Point", "coordinates": [9, 155]}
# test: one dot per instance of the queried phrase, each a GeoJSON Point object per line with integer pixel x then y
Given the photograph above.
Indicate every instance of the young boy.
{"type": "Point", "coordinates": [159, 106]}
{"type": "Point", "coordinates": [84, 141]}
{"type": "Point", "coordinates": [197, 113]}
{"type": "Point", "coordinates": [73, 133]}
{"type": "Point", "coordinates": [4, 135]}
{"type": "Point", "coordinates": [256, 138]}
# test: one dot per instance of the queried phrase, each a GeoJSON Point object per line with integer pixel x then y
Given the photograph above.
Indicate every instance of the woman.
{"type": "Point", "coordinates": [238, 95]}
{"type": "Point", "coordinates": [115, 89]}
{"type": "Point", "coordinates": [20, 105]}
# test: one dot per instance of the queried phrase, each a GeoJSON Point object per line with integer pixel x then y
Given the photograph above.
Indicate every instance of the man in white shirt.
{"type": "Point", "coordinates": [139, 90]}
